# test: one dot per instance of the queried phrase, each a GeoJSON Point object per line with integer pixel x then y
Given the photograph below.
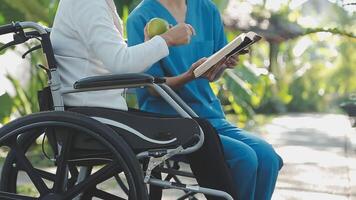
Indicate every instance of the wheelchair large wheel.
{"type": "Point", "coordinates": [115, 160]}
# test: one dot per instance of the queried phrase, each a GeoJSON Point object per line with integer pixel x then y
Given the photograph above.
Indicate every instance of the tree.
{"type": "Point", "coordinates": [283, 29]}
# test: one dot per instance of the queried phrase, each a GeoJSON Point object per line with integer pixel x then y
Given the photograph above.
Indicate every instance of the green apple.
{"type": "Point", "coordinates": [157, 26]}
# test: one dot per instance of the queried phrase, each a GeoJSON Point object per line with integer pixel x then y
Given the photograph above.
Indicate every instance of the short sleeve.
{"type": "Point", "coordinates": [135, 26]}
{"type": "Point", "coordinates": [219, 35]}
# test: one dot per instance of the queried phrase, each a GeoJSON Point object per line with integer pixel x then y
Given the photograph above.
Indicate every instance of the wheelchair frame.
{"type": "Point", "coordinates": [156, 158]}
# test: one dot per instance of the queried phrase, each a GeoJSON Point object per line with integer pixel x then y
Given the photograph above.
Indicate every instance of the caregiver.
{"type": "Point", "coordinates": [253, 162]}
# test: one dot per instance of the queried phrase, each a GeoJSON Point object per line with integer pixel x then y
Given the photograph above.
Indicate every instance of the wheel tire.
{"type": "Point", "coordinates": [104, 134]}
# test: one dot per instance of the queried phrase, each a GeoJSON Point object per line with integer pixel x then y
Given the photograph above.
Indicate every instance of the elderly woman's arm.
{"type": "Point", "coordinates": [96, 28]}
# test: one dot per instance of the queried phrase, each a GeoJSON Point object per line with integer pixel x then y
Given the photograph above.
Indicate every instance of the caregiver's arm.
{"type": "Point", "coordinates": [178, 81]}
{"type": "Point", "coordinates": [96, 28]}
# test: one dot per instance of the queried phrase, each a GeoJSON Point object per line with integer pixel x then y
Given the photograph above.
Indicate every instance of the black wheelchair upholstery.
{"type": "Point", "coordinates": [156, 131]}
{"type": "Point", "coordinates": [142, 131]}
{"type": "Point", "coordinates": [113, 79]}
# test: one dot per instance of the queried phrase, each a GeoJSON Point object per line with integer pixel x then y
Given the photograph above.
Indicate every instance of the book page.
{"type": "Point", "coordinates": [238, 44]}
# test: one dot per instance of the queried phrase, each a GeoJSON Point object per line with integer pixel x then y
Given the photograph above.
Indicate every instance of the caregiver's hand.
{"type": "Point", "coordinates": [177, 35]}
{"type": "Point", "coordinates": [233, 60]}
{"type": "Point", "coordinates": [228, 63]}
{"type": "Point", "coordinates": [217, 70]}
{"type": "Point", "coordinates": [212, 74]}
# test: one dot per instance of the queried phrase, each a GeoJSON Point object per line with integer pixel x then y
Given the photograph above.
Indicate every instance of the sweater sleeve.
{"type": "Point", "coordinates": [96, 28]}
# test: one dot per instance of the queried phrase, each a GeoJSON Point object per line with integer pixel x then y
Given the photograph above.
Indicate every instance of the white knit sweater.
{"type": "Point", "coordinates": [87, 41]}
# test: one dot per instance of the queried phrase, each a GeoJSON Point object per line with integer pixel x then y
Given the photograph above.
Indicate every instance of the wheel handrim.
{"type": "Point", "coordinates": [60, 189]}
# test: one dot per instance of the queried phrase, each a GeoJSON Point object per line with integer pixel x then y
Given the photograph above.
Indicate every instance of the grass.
{"type": "Point", "coordinates": [28, 190]}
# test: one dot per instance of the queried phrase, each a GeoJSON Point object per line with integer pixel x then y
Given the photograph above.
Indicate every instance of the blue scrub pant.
{"type": "Point", "coordinates": [254, 163]}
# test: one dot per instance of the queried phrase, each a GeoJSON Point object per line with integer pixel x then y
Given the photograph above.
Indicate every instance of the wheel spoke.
{"type": "Point", "coordinates": [26, 165]}
{"type": "Point", "coordinates": [60, 177]}
{"type": "Point", "coordinates": [121, 184]}
{"type": "Point", "coordinates": [105, 195]}
{"type": "Point", "coordinates": [62, 164]}
{"type": "Point", "coordinates": [101, 175]}
{"type": "Point", "coordinates": [11, 196]}
{"type": "Point", "coordinates": [46, 175]}
{"type": "Point", "coordinates": [74, 175]}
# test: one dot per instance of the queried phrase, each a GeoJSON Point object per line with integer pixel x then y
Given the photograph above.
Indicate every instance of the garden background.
{"type": "Point", "coordinates": [288, 89]}
{"type": "Point", "coordinates": [306, 62]}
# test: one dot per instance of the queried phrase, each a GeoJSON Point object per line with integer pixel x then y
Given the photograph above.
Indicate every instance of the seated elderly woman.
{"type": "Point", "coordinates": [87, 38]}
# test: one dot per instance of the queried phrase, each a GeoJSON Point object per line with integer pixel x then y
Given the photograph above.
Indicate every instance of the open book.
{"type": "Point", "coordinates": [240, 43]}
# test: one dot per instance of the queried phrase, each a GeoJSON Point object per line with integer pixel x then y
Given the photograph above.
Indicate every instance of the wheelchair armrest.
{"type": "Point", "coordinates": [133, 79]}
{"type": "Point", "coordinates": [159, 80]}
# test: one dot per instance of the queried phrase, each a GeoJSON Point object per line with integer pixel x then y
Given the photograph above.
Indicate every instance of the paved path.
{"type": "Point", "coordinates": [318, 159]}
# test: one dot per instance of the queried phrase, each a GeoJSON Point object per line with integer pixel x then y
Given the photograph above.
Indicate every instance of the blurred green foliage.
{"type": "Point", "coordinates": [306, 51]}
{"type": "Point", "coordinates": [295, 69]}
{"type": "Point", "coordinates": [24, 101]}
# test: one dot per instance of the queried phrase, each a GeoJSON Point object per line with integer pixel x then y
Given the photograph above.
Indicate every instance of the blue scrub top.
{"type": "Point", "coordinates": [205, 18]}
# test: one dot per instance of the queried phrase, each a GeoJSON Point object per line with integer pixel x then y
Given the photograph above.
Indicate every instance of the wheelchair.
{"type": "Point", "coordinates": [88, 146]}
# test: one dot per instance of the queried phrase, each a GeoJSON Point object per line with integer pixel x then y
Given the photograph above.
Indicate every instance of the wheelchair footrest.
{"type": "Point", "coordinates": [155, 161]}
{"type": "Point", "coordinates": [174, 172]}
{"type": "Point", "coordinates": [189, 188]}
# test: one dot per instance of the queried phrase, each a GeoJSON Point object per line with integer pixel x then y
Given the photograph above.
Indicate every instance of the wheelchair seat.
{"type": "Point", "coordinates": [141, 130]}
